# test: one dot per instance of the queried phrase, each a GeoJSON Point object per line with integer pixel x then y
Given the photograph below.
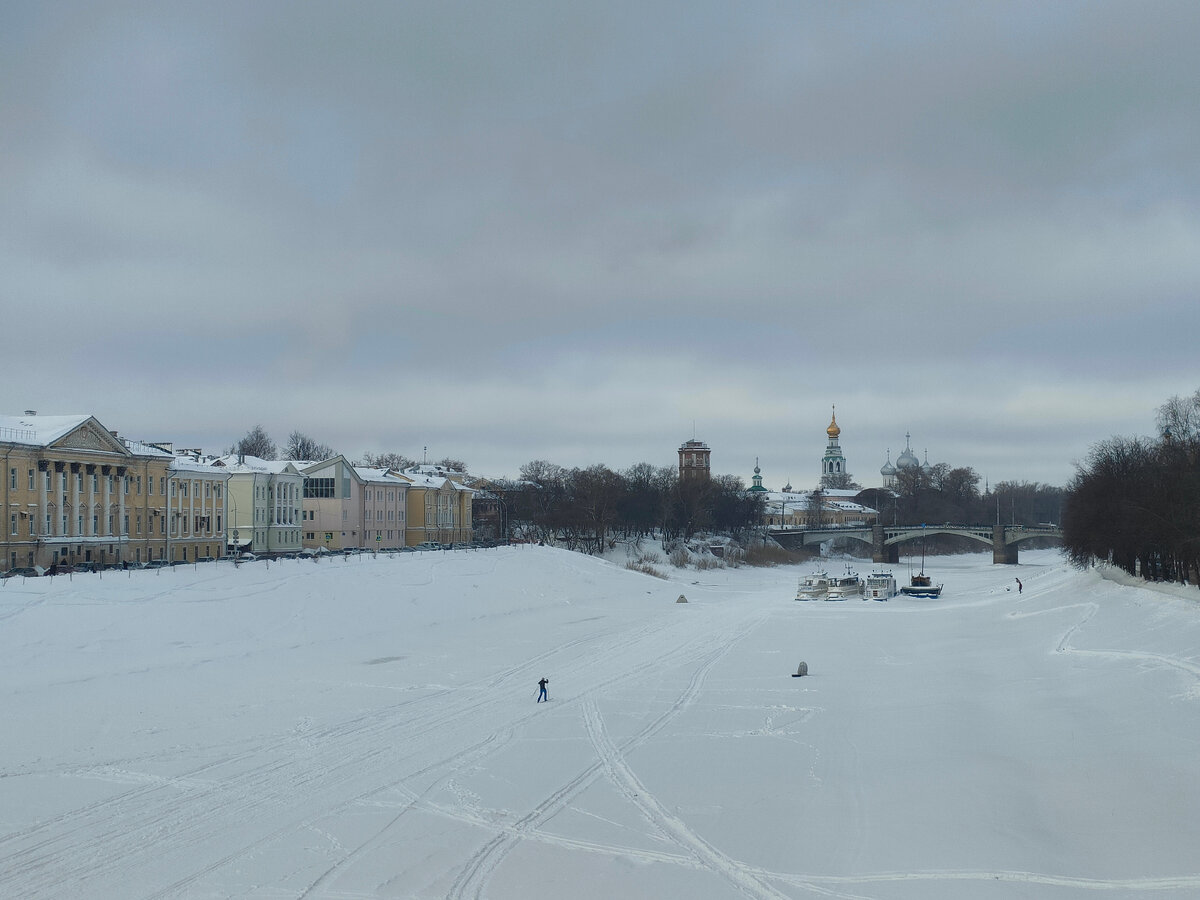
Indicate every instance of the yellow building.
{"type": "Point", "coordinates": [75, 493]}
{"type": "Point", "coordinates": [439, 508]}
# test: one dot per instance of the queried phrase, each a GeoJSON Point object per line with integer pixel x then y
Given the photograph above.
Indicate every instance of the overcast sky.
{"type": "Point", "coordinates": [586, 232]}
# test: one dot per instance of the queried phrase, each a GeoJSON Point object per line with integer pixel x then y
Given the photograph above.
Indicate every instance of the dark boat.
{"type": "Point", "coordinates": [921, 585]}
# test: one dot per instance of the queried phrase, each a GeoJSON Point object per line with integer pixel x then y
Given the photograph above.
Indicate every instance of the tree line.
{"type": "Point", "coordinates": [1135, 501]}
{"type": "Point", "coordinates": [588, 508]}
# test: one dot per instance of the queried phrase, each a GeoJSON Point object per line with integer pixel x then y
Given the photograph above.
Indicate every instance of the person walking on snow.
{"type": "Point", "coordinates": [1019, 588]}
{"type": "Point", "coordinates": [542, 693]}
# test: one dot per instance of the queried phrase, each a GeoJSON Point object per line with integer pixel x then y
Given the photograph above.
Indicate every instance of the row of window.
{"type": "Point", "coordinates": [199, 525]}
{"type": "Point", "coordinates": [128, 483]}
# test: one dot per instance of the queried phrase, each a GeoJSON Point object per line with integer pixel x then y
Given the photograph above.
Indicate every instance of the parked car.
{"type": "Point", "coordinates": [25, 572]}
{"type": "Point", "coordinates": [157, 564]}
{"type": "Point", "coordinates": [247, 557]}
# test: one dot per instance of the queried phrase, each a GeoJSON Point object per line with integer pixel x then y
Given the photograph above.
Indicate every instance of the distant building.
{"type": "Point", "coordinates": [265, 497]}
{"type": "Point", "coordinates": [694, 463]}
{"type": "Point", "coordinates": [757, 487]}
{"type": "Point", "coordinates": [905, 462]}
{"type": "Point", "coordinates": [834, 473]}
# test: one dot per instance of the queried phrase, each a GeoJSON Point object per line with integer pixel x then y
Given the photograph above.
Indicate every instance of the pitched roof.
{"type": "Point", "coordinates": [38, 431]}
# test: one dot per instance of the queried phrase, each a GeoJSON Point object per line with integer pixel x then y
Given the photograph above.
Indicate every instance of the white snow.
{"type": "Point", "coordinates": [354, 728]}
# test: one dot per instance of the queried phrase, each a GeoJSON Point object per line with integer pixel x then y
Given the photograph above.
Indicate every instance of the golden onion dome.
{"type": "Point", "coordinates": [833, 430]}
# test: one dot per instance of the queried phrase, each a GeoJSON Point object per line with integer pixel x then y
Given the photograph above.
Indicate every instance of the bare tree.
{"type": "Point", "coordinates": [396, 461]}
{"type": "Point", "coordinates": [256, 443]}
{"type": "Point", "coordinates": [302, 447]}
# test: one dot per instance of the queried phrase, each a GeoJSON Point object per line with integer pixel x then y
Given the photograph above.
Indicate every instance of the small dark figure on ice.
{"type": "Point", "coordinates": [1019, 586]}
{"type": "Point", "coordinates": [542, 693]}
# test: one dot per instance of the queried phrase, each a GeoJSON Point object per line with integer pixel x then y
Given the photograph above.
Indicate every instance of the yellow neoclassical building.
{"type": "Point", "coordinates": [76, 494]}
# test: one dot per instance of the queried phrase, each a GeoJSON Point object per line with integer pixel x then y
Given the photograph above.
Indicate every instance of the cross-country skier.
{"type": "Point", "coordinates": [542, 693]}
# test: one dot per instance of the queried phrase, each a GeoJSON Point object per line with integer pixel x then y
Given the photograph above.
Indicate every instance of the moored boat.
{"type": "Point", "coordinates": [879, 586]}
{"type": "Point", "coordinates": [921, 586]}
{"type": "Point", "coordinates": [813, 587]}
{"type": "Point", "coordinates": [844, 587]}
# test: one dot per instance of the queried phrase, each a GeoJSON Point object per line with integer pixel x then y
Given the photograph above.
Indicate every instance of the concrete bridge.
{"type": "Point", "coordinates": [885, 540]}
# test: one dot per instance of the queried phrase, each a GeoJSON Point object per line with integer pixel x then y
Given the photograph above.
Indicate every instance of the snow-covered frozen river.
{"type": "Point", "coordinates": [368, 728]}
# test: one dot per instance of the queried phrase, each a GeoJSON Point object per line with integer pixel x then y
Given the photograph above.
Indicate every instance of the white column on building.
{"type": "Point", "coordinates": [121, 503]}
{"type": "Point", "coordinates": [104, 529]}
{"type": "Point", "coordinates": [43, 478]}
{"type": "Point", "coordinates": [88, 527]}
{"type": "Point", "coordinates": [73, 525]}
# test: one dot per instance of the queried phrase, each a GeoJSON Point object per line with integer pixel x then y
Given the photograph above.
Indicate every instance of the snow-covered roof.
{"type": "Point", "coordinates": [38, 431]}
{"type": "Point", "coordinates": [187, 464]}
{"type": "Point", "coordinates": [387, 476]}
{"type": "Point", "coordinates": [141, 448]}
{"type": "Point", "coordinates": [253, 464]}
{"type": "Point", "coordinates": [436, 482]}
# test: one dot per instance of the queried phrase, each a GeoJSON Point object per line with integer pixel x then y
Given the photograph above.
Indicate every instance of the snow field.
{"type": "Point", "coordinates": [367, 728]}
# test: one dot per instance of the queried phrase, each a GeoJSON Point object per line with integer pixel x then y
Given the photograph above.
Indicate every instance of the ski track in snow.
{"type": "Point", "coordinates": [100, 839]}
{"type": "Point", "coordinates": [473, 880]}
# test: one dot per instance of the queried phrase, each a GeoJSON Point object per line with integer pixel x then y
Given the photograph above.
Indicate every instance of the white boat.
{"type": "Point", "coordinates": [844, 587]}
{"type": "Point", "coordinates": [879, 586]}
{"type": "Point", "coordinates": [813, 587]}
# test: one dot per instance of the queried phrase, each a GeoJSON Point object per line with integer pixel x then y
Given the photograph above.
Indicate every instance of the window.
{"type": "Point", "coordinates": [79, 481]}
{"type": "Point", "coordinates": [317, 488]}
{"type": "Point", "coordinates": [95, 523]}
{"type": "Point", "coordinates": [13, 475]}
{"type": "Point", "coordinates": [125, 485]}
{"type": "Point", "coordinates": [13, 517]}
{"type": "Point", "coordinates": [139, 524]}
{"type": "Point", "coordinates": [31, 479]}
{"type": "Point", "coordinates": [139, 487]}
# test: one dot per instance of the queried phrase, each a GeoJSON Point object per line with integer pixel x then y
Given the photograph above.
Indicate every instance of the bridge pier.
{"type": "Point", "coordinates": [1002, 553]}
{"type": "Point", "coordinates": [880, 551]}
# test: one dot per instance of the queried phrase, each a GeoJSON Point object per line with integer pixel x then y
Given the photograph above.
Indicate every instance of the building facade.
{"type": "Point", "coordinates": [695, 461]}
{"type": "Point", "coordinates": [264, 505]}
{"type": "Point", "coordinates": [439, 509]}
{"type": "Point", "coordinates": [75, 493]}
{"type": "Point", "coordinates": [333, 498]}
{"type": "Point", "coordinates": [384, 508]}
{"type": "Point", "coordinates": [195, 514]}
